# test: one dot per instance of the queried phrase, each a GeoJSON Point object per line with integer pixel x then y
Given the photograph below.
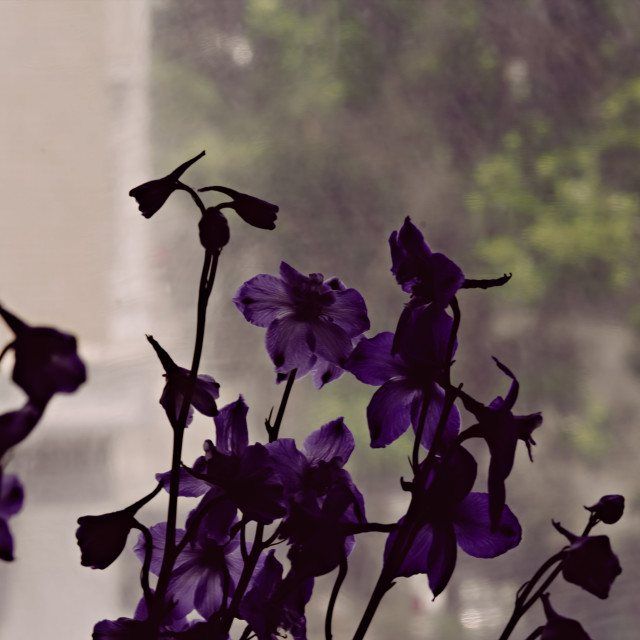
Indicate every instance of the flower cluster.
{"type": "Point", "coordinates": [273, 516]}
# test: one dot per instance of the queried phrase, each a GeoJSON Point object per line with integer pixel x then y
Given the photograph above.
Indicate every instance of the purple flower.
{"type": "Point", "coordinates": [558, 627]}
{"type": "Point", "coordinates": [15, 426]}
{"type": "Point", "coordinates": [501, 430]}
{"type": "Point", "coordinates": [152, 195]}
{"type": "Point", "coordinates": [408, 378]}
{"type": "Point", "coordinates": [450, 516]}
{"type": "Point", "coordinates": [589, 562]}
{"type": "Point", "coordinates": [310, 323]}
{"type": "Point", "coordinates": [234, 474]}
{"type": "Point", "coordinates": [205, 573]}
{"type": "Point", "coordinates": [256, 212]}
{"type": "Point", "coordinates": [430, 278]}
{"type": "Point", "coordinates": [11, 499]}
{"type": "Point", "coordinates": [46, 360]}
{"type": "Point", "coordinates": [323, 500]}
{"type": "Point", "coordinates": [205, 390]}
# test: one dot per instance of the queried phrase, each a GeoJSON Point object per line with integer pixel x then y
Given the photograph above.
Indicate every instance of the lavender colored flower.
{"type": "Point", "coordinates": [205, 390]}
{"type": "Point", "coordinates": [558, 627]}
{"type": "Point", "coordinates": [11, 500]}
{"type": "Point", "coordinates": [15, 426]}
{"type": "Point", "coordinates": [151, 195]}
{"type": "Point", "coordinates": [430, 278]}
{"type": "Point", "coordinates": [450, 515]}
{"type": "Point", "coordinates": [254, 211]}
{"type": "Point", "coordinates": [408, 378]}
{"type": "Point", "coordinates": [589, 562]}
{"type": "Point", "coordinates": [46, 360]}
{"type": "Point", "coordinates": [205, 573]}
{"type": "Point", "coordinates": [501, 430]}
{"type": "Point", "coordinates": [310, 322]}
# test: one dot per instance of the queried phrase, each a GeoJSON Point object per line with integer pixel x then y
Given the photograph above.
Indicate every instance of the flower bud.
{"type": "Point", "coordinates": [590, 563]}
{"type": "Point", "coordinates": [102, 538]}
{"type": "Point", "coordinates": [608, 509]}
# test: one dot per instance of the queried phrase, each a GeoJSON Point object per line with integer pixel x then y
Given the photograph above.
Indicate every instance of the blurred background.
{"type": "Point", "coordinates": [508, 131]}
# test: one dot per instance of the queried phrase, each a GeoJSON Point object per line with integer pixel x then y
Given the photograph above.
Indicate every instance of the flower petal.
{"type": "Point", "coordinates": [371, 361]}
{"type": "Point", "coordinates": [349, 312]}
{"type": "Point", "coordinates": [388, 413]}
{"type": "Point", "coordinates": [232, 436]}
{"type": "Point", "coordinates": [473, 529]}
{"type": "Point", "coordinates": [263, 299]}
{"type": "Point", "coordinates": [333, 440]}
{"type": "Point", "coordinates": [287, 342]}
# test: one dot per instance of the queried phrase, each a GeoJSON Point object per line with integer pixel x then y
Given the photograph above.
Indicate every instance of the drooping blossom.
{"type": "Point", "coordinates": [310, 322]}
{"type": "Point", "coordinates": [151, 195]}
{"type": "Point", "coordinates": [608, 509]}
{"type": "Point", "coordinates": [558, 627]}
{"type": "Point", "coordinates": [589, 562]}
{"type": "Point", "coordinates": [408, 378]}
{"type": "Point", "coordinates": [450, 515]}
{"type": "Point", "coordinates": [205, 388]}
{"type": "Point", "coordinates": [46, 360]}
{"type": "Point", "coordinates": [11, 500]}
{"type": "Point", "coordinates": [501, 430]}
{"type": "Point", "coordinates": [102, 538]}
{"type": "Point", "coordinates": [254, 211]}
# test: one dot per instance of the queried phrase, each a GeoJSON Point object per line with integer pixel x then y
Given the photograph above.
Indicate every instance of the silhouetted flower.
{"type": "Point", "coordinates": [256, 212]}
{"type": "Point", "coordinates": [234, 475]}
{"type": "Point", "coordinates": [408, 378]}
{"type": "Point", "coordinates": [323, 499]}
{"type": "Point", "coordinates": [501, 430]}
{"type": "Point", "coordinates": [608, 509]}
{"type": "Point", "coordinates": [589, 562]}
{"type": "Point", "coordinates": [205, 390]}
{"type": "Point", "coordinates": [15, 426]}
{"type": "Point", "coordinates": [151, 195]}
{"type": "Point", "coordinates": [310, 323]}
{"type": "Point", "coordinates": [214, 230]}
{"type": "Point", "coordinates": [11, 499]}
{"type": "Point", "coordinates": [46, 360]}
{"type": "Point", "coordinates": [558, 627]}
{"type": "Point", "coordinates": [451, 516]}
{"type": "Point", "coordinates": [102, 538]}
{"type": "Point", "coordinates": [430, 278]}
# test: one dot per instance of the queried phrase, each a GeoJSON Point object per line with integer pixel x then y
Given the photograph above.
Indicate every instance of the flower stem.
{"type": "Point", "coordinates": [342, 574]}
{"type": "Point", "coordinates": [207, 279]}
{"type": "Point", "coordinates": [273, 430]}
{"type": "Point", "coordinates": [522, 604]}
